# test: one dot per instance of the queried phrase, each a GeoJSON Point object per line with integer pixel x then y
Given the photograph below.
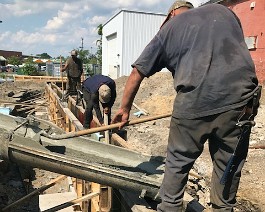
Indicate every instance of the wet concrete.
{"type": "Point", "coordinates": [82, 157]}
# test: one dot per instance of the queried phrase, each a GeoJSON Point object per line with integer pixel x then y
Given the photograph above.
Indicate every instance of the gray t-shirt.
{"type": "Point", "coordinates": [204, 48]}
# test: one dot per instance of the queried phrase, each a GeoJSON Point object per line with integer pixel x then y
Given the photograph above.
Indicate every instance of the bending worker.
{"type": "Point", "coordinates": [98, 88]}
{"type": "Point", "coordinates": [215, 81]}
{"type": "Point", "coordinates": [74, 70]}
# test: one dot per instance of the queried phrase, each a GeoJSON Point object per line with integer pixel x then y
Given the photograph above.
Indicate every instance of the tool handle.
{"type": "Point", "coordinates": [228, 170]}
{"type": "Point", "coordinates": [103, 128]}
{"type": "Point", "coordinates": [116, 125]}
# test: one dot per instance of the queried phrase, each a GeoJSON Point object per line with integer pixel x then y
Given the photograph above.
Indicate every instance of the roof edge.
{"type": "Point", "coordinates": [132, 11]}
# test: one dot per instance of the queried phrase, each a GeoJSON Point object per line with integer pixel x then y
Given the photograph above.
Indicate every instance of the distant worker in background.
{"type": "Point", "coordinates": [217, 98]}
{"type": "Point", "coordinates": [98, 88]}
{"type": "Point", "coordinates": [74, 70]}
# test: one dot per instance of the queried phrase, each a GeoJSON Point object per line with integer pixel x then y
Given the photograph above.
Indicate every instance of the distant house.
{"type": "Point", "coordinates": [8, 54]}
{"type": "Point", "coordinates": [124, 37]}
{"type": "Point", "coordinates": [252, 16]}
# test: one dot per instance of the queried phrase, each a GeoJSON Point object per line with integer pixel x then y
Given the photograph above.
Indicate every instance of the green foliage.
{"type": "Point", "coordinates": [29, 68]}
{"type": "Point", "coordinates": [44, 56]}
{"type": "Point", "coordinates": [99, 44]}
{"type": "Point", "coordinates": [3, 75]}
{"type": "Point", "coordinates": [14, 60]}
{"type": "Point", "coordinates": [100, 27]}
{"type": "Point", "coordinates": [29, 60]}
{"type": "Point", "coordinates": [84, 55]}
{"type": "Point", "coordinates": [99, 54]}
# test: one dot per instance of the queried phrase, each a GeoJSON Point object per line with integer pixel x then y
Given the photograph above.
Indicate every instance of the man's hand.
{"type": "Point", "coordinates": [130, 90]}
{"type": "Point", "coordinates": [106, 110]}
{"type": "Point", "coordinates": [122, 117]}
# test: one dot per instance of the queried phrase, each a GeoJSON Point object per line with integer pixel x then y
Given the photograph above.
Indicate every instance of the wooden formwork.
{"type": "Point", "coordinates": [69, 118]}
{"type": "Point", "coordinates": [39, 78]}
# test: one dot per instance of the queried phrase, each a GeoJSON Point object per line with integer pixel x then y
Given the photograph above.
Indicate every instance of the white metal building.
{"type": "Point", "coordinates": [124, 37]}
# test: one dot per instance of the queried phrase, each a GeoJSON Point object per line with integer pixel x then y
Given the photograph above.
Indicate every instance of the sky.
{"type": "Point", "coordinates": [56, 27]}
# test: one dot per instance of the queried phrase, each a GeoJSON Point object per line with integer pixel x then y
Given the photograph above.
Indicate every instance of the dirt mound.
{"type": "Point", "coordinates": [155, 95]}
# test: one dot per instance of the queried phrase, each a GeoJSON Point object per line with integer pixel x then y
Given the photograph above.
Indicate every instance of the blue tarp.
{"type": "Point", "coordinates": [5, 110]}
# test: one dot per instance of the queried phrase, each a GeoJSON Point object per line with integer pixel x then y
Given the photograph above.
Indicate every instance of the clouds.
{"type": "Point", "coordinates": [57, 26]}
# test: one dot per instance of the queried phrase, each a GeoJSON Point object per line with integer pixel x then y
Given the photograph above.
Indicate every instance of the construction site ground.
{"type": "Point", "coordinates": [156, 96]}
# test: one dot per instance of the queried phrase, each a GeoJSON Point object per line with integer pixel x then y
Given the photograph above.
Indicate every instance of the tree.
{"type": "Point", "coordinates": [84, 55]}
{"type": "Point", "coordinates": [44, 56]}
{"type": "Point", "coordinates": [99, 44]}
{"type": "Point", "coordinates": [13, 60]}
{"type": "Point", "coordinates": [30, 68]}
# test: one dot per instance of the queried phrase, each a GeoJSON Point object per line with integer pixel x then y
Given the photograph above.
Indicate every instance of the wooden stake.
{"type": "Point", "coordinates": [106, 122]}
{"type": "Point", "coordinates": [61, 66]}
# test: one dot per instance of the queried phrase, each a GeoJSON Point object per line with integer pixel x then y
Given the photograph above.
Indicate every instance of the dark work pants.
{"type": "Point", "coordinates": [185, 145]}
{"type": "Point", "coordinates": [73, 84]}
{"type": "Point", "coordinates": [92, 101]}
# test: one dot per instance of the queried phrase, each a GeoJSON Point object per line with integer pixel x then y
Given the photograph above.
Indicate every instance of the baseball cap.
{"type": "Point", "coordinates": [176, 5]}
{"type": "Point", "coordinates": [104, 93]}
{"type": "Point", "coordinates": [74, 52]}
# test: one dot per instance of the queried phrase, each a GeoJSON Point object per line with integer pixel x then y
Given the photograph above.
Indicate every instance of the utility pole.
{"type": "Point", "coordinates": [82, 43]}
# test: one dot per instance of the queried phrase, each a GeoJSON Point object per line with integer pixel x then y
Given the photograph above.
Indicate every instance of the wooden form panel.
{"type": "Point", "coordinates": [68, 118]}
{"type": "Point", "coordinates": [39, 78]}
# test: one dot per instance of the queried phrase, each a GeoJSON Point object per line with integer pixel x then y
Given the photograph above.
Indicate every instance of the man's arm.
{"type": "Point", "coordinates": [65, 67]}
{"type": "Point", "coordinates": [131, 88]}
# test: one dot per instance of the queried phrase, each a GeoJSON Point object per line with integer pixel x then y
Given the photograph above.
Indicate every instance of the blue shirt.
{"type": "Point", "coordinates": [93, 83]}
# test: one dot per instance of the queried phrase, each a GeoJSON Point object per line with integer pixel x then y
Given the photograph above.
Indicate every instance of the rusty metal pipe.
{"type": "Point", "coordinates": [126, 178]}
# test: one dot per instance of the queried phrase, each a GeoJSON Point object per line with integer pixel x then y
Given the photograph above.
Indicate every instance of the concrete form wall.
{"type": "Point", "coordinates": [252, 16]}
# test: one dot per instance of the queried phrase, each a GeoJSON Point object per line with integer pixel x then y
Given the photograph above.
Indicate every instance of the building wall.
{"type": "Point", "coordinates": [125, 36]}
{"type": "Point", "coordinates": [112, 29]}
{"type": "Point", "coordinates": [139, 29]}
{"type": "Point", "coordinates": [252, 16]}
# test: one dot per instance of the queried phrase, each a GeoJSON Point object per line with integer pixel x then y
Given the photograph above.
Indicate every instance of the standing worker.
{"type": "Point", "coordinates": [98, 88]}
{"type": "Point", "coordinates": [74, 70]}
{"type": "Point", "coordinates": [215, 81]}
